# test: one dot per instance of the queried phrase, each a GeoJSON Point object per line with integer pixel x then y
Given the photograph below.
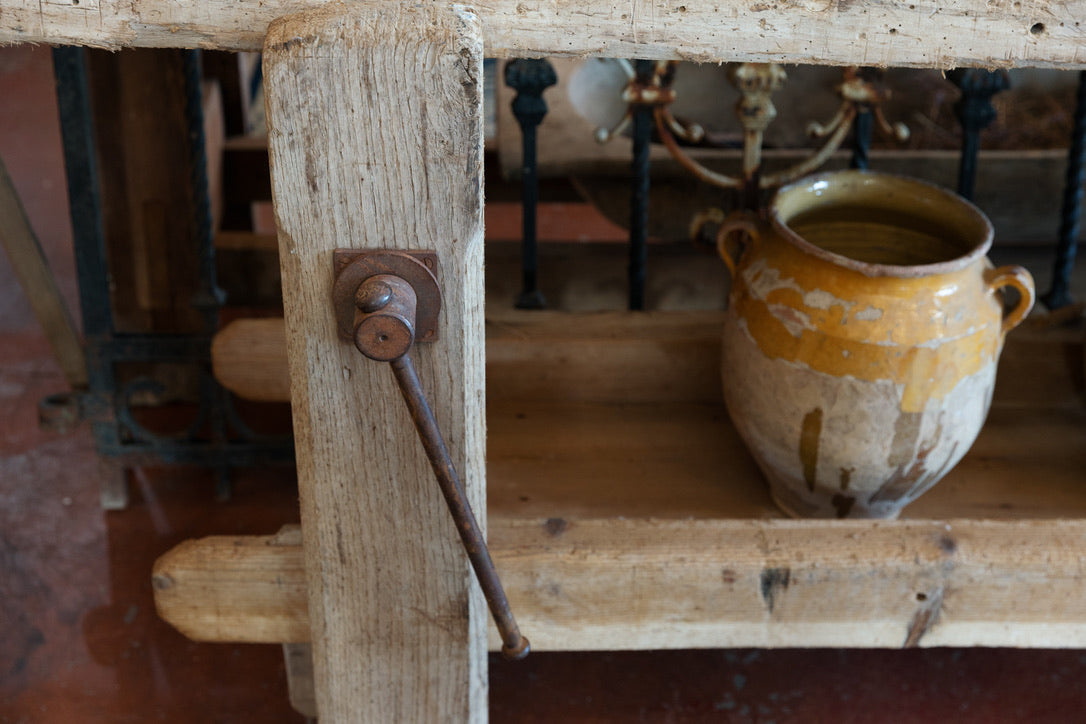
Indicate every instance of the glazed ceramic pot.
{"type": "Point", "coordinates": [862, 337]}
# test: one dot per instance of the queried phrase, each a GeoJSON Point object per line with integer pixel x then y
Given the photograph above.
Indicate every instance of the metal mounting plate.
{"type": "Point", "coordinates": [417, 268]}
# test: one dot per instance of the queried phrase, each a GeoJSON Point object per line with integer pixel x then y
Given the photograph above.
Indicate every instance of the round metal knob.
{"type": "Point", "coordinates": [385, 329]}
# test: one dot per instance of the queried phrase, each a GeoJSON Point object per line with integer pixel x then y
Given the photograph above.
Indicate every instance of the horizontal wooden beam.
{"type": "Point", "coordinates": [655, 584]}
{"type": "Point", "coordinates": [617, 357]}
{"type": "Point", "coordinates": [252, 584]}
{"type": "Point", "coordinates": [925, 33]}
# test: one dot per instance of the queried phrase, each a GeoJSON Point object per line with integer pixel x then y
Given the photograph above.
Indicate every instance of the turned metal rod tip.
{"type": "Point", "coordinates": [518, 651]}
{"type": "Point", "coordinates": [385, 323]}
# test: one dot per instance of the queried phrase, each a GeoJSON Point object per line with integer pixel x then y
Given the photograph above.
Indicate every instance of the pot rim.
{"type": "Point", "coordinates": [968, 208]}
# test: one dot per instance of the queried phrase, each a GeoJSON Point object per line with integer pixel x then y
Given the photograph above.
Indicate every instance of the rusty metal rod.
{"type": "Point", "coordinates": [514, 645]}
{"type": "Point", "coordinates": [384, 330]}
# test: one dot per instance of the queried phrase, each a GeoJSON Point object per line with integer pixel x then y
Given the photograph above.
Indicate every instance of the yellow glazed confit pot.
{"type": "Point", "coordinates": [861, 341]}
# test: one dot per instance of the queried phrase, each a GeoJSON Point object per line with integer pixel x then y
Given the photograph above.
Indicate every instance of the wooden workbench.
{"type": "Point", "coordinates": [375, 134]}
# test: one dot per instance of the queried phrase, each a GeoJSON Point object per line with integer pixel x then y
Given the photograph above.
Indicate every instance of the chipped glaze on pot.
{"type": "Point", "coordinates": [861, 341]}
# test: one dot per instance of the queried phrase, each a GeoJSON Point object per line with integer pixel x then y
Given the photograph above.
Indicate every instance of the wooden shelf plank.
{"type": "Point", "coordinates": [686, 461]}
{"type": "Point", "coordinates": [625, 512]}
{"type": "Point", "coordinates": [611, 414]}
{"type": "Point", "coordinates": [652, 584]}
{"type": "Point", "coordinates": [926, 33]}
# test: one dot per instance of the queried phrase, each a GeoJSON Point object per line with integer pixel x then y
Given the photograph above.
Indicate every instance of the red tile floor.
{"type": "Point", "coordinates": [80, 642]}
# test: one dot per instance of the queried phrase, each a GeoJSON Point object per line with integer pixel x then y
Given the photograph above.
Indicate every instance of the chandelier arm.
{"type": "Point", "coordinates": [802, 169]}
{"type": "Point", "coordinates": [711, 177]}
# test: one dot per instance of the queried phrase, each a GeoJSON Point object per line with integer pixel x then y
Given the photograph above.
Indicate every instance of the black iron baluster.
{"type": "Point", "coordinates": [529, 78]}
{"type": "Point", "coordinates": [642, 122]}
{"type": "Point", "coordinates": [77, 134]}
{"type": "Point", "coordinates": [1059, 294]}
{"type": "Point", "coordinates": [861, 137]}
{"type": "Point", "coordinates": [975, 113]}
{"type": "Point", "coordinates": [92, 271]}
{"type": "Point", "coordinates": [120, 440]}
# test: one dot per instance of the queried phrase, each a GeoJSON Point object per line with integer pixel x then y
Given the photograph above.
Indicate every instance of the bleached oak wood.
{"type": "Point", "coordinates": [604, 356]}
{"type": "Point", "coordinates": [623, 358]}
{"type": "Point", "coordinates": [375, 140]}
{"type": "Point", "coordinates": [609, 415]}
{"type": "Point", "coordinates": [264, 577]}
{"type": "Point", "coordinates": [653, 583]}
{"type": "Point", "coordinates": [930, 33]}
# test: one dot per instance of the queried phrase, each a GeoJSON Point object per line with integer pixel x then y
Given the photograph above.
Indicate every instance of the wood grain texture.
{"type": "Point", "coordinates": [656, 356]}
{"type": "Point", "coordinates": [626, 513]}
{"type": "Point", "coordinates": [618, 415]}
{"type": "Point", "coordinates": [591, 584]}
{"type": "Point", "coordinates": [375, 140]}
{"type": "Point", "coordinates": [928, 33]}
{"type": "Point", "coordinates": [262, 577]}
{"type": "Point", "coordinates": [622, 358]}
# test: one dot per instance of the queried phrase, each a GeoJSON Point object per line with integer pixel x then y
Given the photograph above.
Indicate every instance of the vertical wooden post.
{"type": "Point", "coordinates": [375, 135]}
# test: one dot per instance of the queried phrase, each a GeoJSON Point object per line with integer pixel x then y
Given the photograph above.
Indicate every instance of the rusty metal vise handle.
{"type": "Point", "coordinates": [380, 293]}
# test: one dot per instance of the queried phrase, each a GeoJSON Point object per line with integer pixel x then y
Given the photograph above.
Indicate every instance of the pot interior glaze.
{"type": "Point", "coordinates": [882, 225]}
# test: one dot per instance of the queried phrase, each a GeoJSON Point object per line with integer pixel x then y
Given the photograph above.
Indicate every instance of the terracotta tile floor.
{"type": "Point", "coordinates": [80, 642]}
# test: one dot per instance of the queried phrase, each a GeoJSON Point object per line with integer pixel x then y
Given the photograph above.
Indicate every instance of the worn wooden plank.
{"type": "Point", "coordinates": [613, 414]}
{"type": "Point", "coordinates": [652, 357]}
{"type": "Point", "coordinates": [686, 461]}
{"type": "Point", "coordinates": [259, 579]}
{"type": "Point", "coordinates": [607, 356]}
{"type": "Point", "coordinates": [375, 140]}
{"type": "Point", "coordinates": [591, 584]}
{"type": "Point", "coordinates": [929, 33]}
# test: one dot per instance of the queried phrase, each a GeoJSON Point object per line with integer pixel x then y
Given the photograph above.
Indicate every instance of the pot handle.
{"type": "Point", "coordinates": [1017, 277]}
{"type": "Point", "coordinates": [737, 221]}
